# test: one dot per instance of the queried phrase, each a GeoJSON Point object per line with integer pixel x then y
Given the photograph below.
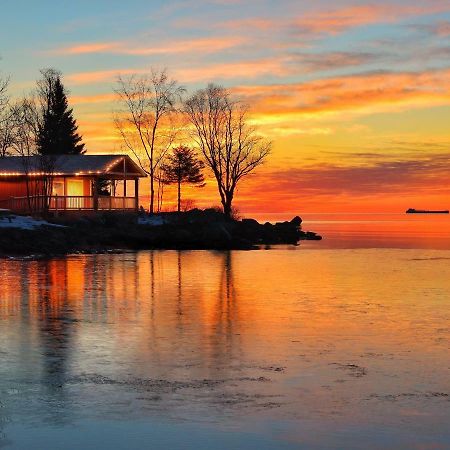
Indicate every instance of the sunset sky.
{"type": "Point", "coordinates": [354, 95]}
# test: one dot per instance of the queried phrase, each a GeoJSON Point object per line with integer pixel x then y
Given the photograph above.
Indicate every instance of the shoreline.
{"type": "Point", "coordinates": [109, 233]}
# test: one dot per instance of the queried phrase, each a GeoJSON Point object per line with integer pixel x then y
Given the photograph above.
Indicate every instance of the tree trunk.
{"type": "Point", "coordinates": [152, 191]}
{"type": "Point", "coordinates": [227, 204]}
{"type": "Point", "coordinates": [179, 195]}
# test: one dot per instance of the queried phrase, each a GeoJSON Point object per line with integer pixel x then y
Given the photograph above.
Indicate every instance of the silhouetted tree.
{"type": "Point", "coordinates": [58, 131]}
{"type": "Point", "coordinates": [149, 104]}
{"type": "Point", "coordinates": [231, 148]}
{"type": "Point", "coordinates": [25, 121]}
{"type": "Point", "coordinates": [102, 186]}
{"type": "Point", "coordinates": [4, 82]}
{"type": "Point", "coordinates": [183, 166]}
{"type": "Point", "coordinates": [5, 119]}
{"type": "Point", "coordinates": [6, 132]}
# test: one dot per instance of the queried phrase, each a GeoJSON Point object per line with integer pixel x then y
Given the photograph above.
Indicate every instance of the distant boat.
{"type": "Point", "coordinates": [424, 211]}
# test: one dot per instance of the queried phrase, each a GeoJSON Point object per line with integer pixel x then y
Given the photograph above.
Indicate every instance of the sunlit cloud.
{"type": "Point", "coordinates": [363, 94]}
{"type": "Point", "coordinates": [205, 45]}
{"type": "Point", "coordinates": [326, 61]}
{"type": "Point", "coordinates": [249, 69]}
{"type": "Point", "coordinates": [92, 47]}
{"type": "Point", "coordinates": [91, 99]}
{"type": "Point", "coordinates": [342, 19]}
{"type": "Point", "coordinates": [372, 182]}
{"type": "Point", "coordinates": [100, 76]}
{"type": "Point", "coordinates": [443, 29]}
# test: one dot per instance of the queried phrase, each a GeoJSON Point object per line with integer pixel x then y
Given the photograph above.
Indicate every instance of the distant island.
{"type": "Point", "coordinates": [425, 211]}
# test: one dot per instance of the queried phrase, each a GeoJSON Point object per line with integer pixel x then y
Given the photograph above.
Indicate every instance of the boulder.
{"type": "Point", "coordinates": [251, 222]}
{"type": "Point", "coordinates": [296, 221]}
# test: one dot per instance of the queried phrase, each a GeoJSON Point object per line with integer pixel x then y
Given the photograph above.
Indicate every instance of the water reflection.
{"type": "Point", "coordinates": [295, 335]}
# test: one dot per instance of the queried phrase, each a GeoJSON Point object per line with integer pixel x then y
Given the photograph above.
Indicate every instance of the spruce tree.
{"type": "Point", "coordinates": [183, 166]}
{"type": "Point", "coordinates": [58, 130]}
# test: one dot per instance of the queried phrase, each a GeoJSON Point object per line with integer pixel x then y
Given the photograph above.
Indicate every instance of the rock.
{"type": "Point", "coordinates": [296, 221]}
{"type": "Point", "coordinates": [252, 222]}
{"type": "Point", "coordinates": [310, 236]}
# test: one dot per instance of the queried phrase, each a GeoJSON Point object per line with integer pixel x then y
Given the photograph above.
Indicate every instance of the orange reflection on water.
{"type": "Point", "coordinates": [322, 331]}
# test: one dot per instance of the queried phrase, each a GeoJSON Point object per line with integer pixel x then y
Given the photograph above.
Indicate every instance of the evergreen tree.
{"type": "Point", "coordinates": [58, 130]}
{"type": "Point", "coordinates": [183, 166]}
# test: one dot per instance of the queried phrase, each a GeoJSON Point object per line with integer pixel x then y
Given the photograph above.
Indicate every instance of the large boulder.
{"type": "Point", "coordinates": [296, 221]}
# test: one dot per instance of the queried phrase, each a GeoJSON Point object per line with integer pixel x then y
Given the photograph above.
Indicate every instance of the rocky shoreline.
{"type": "Point", "coordinates": [192, 230]}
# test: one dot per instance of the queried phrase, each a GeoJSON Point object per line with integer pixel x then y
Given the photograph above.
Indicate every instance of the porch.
{"type": "Point", "coordinates": [59, 203]}
{"type": "Point", "coordinates": [74, 183]}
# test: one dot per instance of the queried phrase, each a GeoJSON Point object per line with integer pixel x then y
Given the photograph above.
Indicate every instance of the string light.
{"type": "Point", "coordinates": [110, 166]}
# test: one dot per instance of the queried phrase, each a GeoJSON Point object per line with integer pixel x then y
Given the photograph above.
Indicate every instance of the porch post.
{"type": "Point", "coordinates": [136, 194]}
{"type": "Point", "coordinates": [95, 193]}
{"type": "Point", "coordinates": [124, 177]}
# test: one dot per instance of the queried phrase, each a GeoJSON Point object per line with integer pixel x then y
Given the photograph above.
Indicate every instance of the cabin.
{"type": "Point", "coordinates": [69, 183]}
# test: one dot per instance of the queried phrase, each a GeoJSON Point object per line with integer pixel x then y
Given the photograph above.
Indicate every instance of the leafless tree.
{"type": "Point", "coordinates": [24, 135]}
{"type": "Point", "coordinates": [6, 132]}
{"type": "Point", "coordinates": [5, 119]}
{"type": "Point", "coordinates": [4, 82]}
{"type": "Point", "coordinates": [146, 119]}
{"type": "Point", "coordinates": [231, 148]}
{"type": "Point", "coordinates": [25, 123]}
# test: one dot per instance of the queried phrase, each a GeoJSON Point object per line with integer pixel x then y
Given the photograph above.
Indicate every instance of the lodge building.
{"type": "Point", "coordinates": [69, 183]}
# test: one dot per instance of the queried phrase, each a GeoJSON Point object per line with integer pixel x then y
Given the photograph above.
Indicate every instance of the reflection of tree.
{"type": "Point", "coordinates": [56, 328]}
{"type": "Point", "coordinates": [226, 339]}
{"type": "Point", "coordinates": [179, 290]}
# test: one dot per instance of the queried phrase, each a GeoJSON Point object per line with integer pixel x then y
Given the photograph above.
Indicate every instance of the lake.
{"type": "Point", "coordinates": [342, 343]}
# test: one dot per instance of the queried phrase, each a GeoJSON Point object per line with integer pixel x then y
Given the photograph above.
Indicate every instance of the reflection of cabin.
{"type": "Point", "coordinates": [69, 183]}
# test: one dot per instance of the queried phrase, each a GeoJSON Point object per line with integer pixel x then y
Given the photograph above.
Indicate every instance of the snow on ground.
{"type": "Point", "coordinates": [22, 222]}
{"type": "Point", "coordinates": [152, 220]}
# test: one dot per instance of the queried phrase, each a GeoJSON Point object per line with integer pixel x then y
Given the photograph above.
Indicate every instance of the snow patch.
{"type": "Point", "coordinates": [23, 222]}
{"type": "Point", "coordinates": [153, 221]}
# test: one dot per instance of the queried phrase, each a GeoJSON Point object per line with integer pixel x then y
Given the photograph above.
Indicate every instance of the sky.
{"type": "Point", "coordinates": [354, 95]}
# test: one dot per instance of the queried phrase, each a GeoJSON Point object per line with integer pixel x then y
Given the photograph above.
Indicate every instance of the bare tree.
{"type": "Point", "coordinates": [5, 119]}
{"type": "Point", "coordinates": [24, 142]}
{"type": "Point", "coordinates": [26, 120]}
{"type": "Point", "coordinates": [231, 148]}
{"type": "Point", "coordinates": [6, 132]}
{"type": "Point", "coordinates": [146, 120]}
{"type": "Point", "coordinates": [4, 82]}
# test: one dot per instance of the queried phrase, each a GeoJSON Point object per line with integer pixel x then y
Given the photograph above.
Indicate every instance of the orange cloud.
{"type": "Point", "coordinates": [372, 182]}
{"type": "Point", "coordinates": [99, 75]}
{"type": "Point", "coordinates": [443, 29]}
{"type": "Point", "coordinates": [242, 69]}
{"type": "Point", "coordinates": [204, 45]}
{"type": "Point", "coordinates": [340, 20]}
{"type": "Point", "coordinates": [92, 47]}
{"type": "Point", "coordinates": [90, 99]}
{"type": "Point", "coordinates": [366, 93]}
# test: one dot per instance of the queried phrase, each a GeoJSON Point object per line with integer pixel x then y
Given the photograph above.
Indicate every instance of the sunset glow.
{"type": "Point", "coordinates": [354, 95]}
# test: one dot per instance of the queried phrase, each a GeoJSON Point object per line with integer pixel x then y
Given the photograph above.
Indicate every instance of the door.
{"type": "Point", "coordinates": [58, 200]}
{"type": "Point", "coordinates": [75, 193]}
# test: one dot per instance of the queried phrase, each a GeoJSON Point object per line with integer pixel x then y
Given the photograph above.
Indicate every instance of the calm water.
{"type": "Point", "coordinates": [383, 230]}
{"type": "Point", "coordinates": [306, 347]}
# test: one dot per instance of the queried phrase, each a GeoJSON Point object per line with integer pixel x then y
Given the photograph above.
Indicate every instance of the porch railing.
{"type": "Point", "coordinates": [68, 203]}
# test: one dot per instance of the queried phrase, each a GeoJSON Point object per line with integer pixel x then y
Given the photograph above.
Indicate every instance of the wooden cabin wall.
{"type": "Point", "coordinates": [18, 188]}
{"type": "Point", "coordinates": [87, 186]}
{"type": "Point", "coordinates": [12, 188]}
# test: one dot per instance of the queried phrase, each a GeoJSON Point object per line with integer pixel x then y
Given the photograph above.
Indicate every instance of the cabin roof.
{"type": "Point", "coordinates": [69, 165]}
